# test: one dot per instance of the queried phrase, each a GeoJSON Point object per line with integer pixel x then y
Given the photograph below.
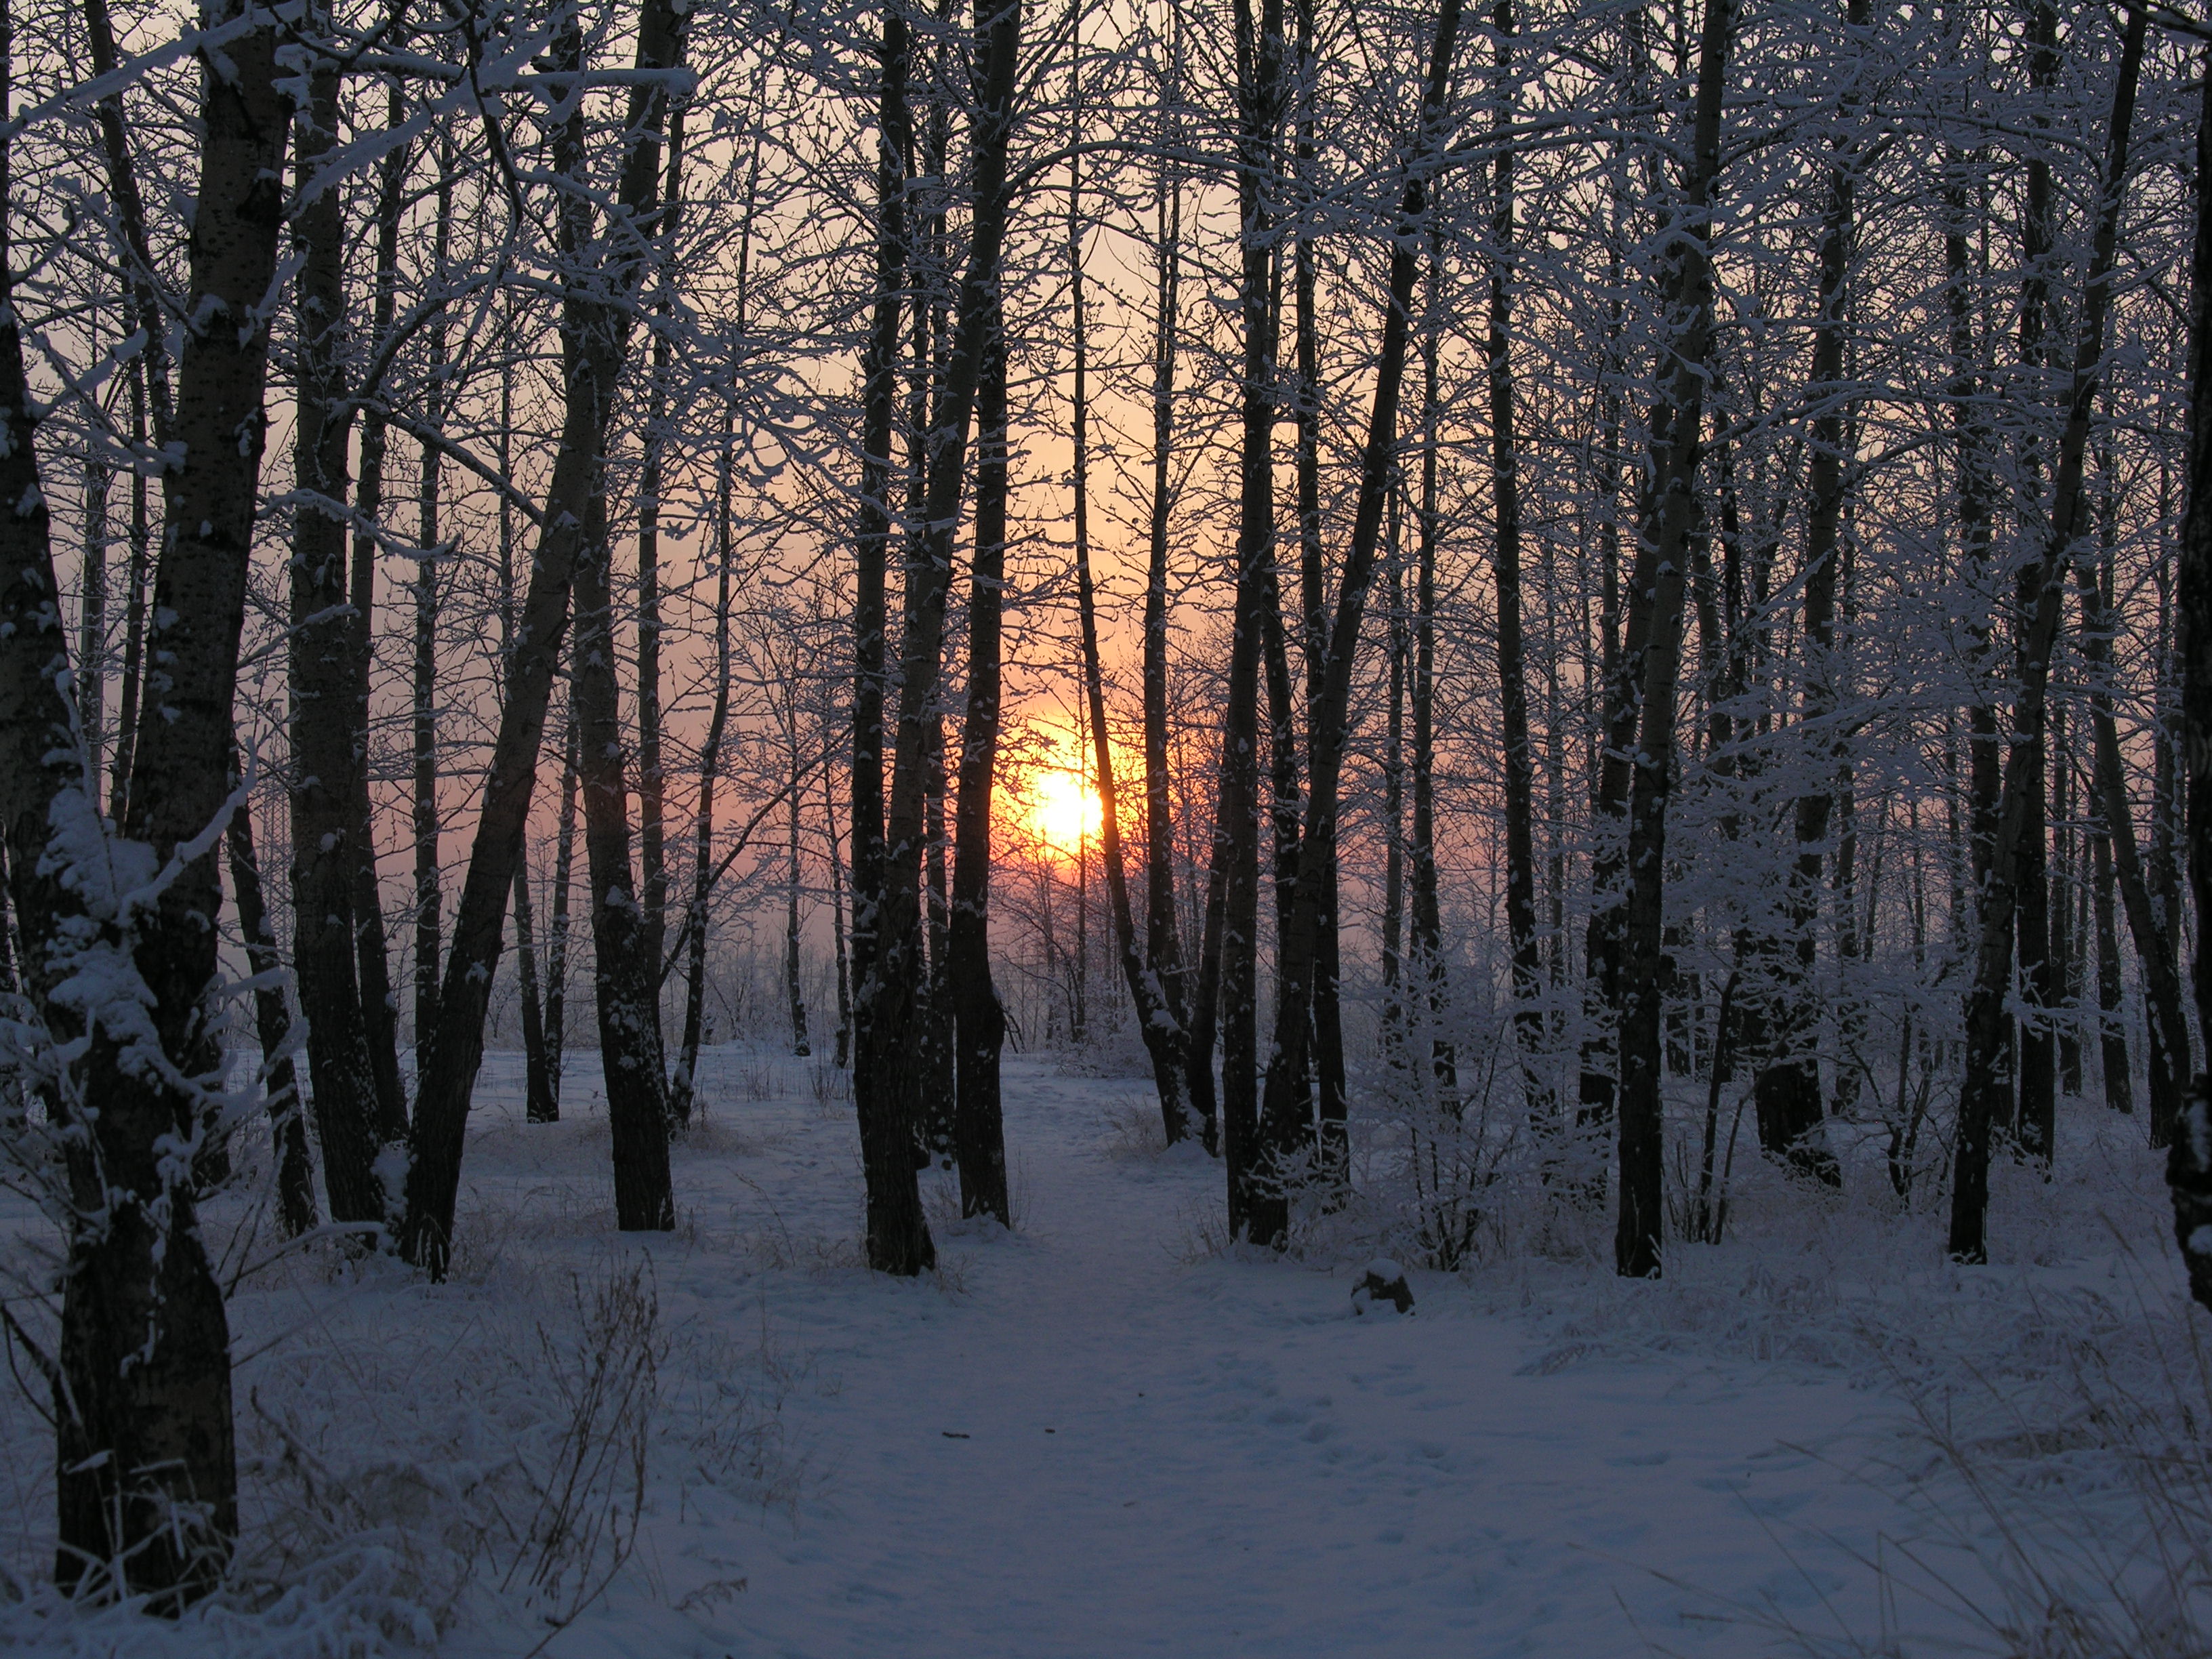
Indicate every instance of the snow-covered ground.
{"type": "Point", "coordinates": [1095, 1435]}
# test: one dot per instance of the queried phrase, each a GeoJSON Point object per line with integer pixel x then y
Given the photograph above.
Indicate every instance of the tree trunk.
{"type": "Point", "coordinates": [430, 552]}
{"type": "Point", "coordinates": [2168, 1025]}
{"type": "Point", "coordinates": [898, 1239]}
{"type": "Point", "coordinates": [541, 1099]}
{"type": "Point", "coordinates": [1260, 96]}
{"type": "Point", "coordinates": [148, 1482]}
{"type": "Point", "coordinates": [326, 765]}
{"type": "Point", "coordinates": [1537, 1100]}
{"type": "Point", "coordinates": [2112, 1030]}
{"type": "Point", "coordinates": [379, 1008]}
{"type": "Point", "coordinates": [685, 1086]}
{"type": "Point", "coordinates": [564, 874]}
{"type": "Point", "coordinates": [979, 1018]}
{"type": "Point", "coordinates": [1787, 1091]}
{"type": "Point", "coordinates": [599, 289]}
{"type": "Point", "coordinates": [793, 985]}
{"type": "Point", "coordinates": [1431, 978]}
{"type": "Point", "coordinates": [2189, 1166]}
{"type": "Point", "coordinates": [652, 778]}
{"type": "Point", "coordinates": [2035, 1108]}
{"type": "Point", "coordinates": [272, 1022]}
{"type": "Point", "coordinates": [626, 978]}
{"type": "Point", "coordinates": [1298, 950]}
{"type": "Point", "coordinates": [1981, 1090]}
{"type": "Point", "coordinates": [1163, 937]}
{"type": "Point", "coordinates": [1670, 518]}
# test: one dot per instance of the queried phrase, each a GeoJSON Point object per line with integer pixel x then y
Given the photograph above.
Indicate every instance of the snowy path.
{"type": "Point", "coordinates": [1093, 1448]}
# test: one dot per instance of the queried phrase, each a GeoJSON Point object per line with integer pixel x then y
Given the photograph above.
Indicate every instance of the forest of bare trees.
{"type": "Point", "coordinates": [1498, 599]}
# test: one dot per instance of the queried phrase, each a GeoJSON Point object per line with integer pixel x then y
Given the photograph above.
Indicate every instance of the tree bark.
{"type": "Point", "coordinates": [1787, 1091]}
{"type": "Point", "coordinates": [430, 551]}
{"type": "Point", "coordinates": [1298, 951]}
{"type": "Point", "coordinates": [979, 1018]}
{"type": "Point", "coordinates": [1670, 518]}
{"type": "Point", "coordinates": [272, 1022]}
{"type": "Point", "coordinates": [147, 1482]}
{"type": "Point", "coordinates": [625, 977]}
{"type": "Point", "coordinates": [327, 764]}
{"type": "Point", "coordinates": [2189, 1166]}
{"type": "Point", "coordinates": [1163, 937]}
{"type": "Point", "coordinates": [1541, 1108]}
{"type": "Point", "coordinates": [1981, 1090]}
{"type": "Point", "coordinates": [2168, 1026]}
{"type": "Point", "coordinates": [595, 304]}
{"type": "Point", "coordinates": [380, 1007]}
{"type": "Point", "coordinates": [685, 1086]}
{"type": "Point", "coordinates": [1260, 98]}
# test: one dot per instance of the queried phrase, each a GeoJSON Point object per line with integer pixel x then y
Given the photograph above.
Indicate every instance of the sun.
{"type": "Point", "coordinates": [1062, 809]}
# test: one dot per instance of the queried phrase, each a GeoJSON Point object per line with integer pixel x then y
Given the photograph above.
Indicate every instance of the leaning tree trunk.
{"type": "Point", "coordinates": [597, 303]}
{"type": "Point", "coordinates": [1982, 1090]}
{"type": "Point", "coordinates": [272, 1023]}
{"type": "Point", "coordinates": [2169, 1028]}
{"type": "Point", "coordinates": [1670, 520]}
{"type": "Point", "coordinates": [1298, 952]}
{"type": "Point", "coordinates": [541, 1100]}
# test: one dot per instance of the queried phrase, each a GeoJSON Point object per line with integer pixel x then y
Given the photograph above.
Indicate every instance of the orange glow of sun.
{"type": "Point", "coordinates": [1061, 807]}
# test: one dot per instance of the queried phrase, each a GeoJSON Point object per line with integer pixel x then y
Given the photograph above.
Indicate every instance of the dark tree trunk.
{"type": "Point", "coordinates": [898, 1236]}
{"type": "Point", "coordinates": [685, 1086]}
{"type": "Point", "coordinates": [1513, 705]}
{"type": "Point", "coordinates": [2112, 1030]}
{"type": "Point", "coordinates": [894, 1198]}
{"type": "Point", "coordinates": [600, 287]}
{"type": "Point", "coordinates": [652, 778]}
{"type": "Point", "coordinates": [1298, 950]}
{"type": "Point", "coordinates": [1787, 1090]}
{"type": "Point", "coordinates": [1431, 978]}
{"type": "Point", "coordinates": [793, 984]}
{"type": "Point", "coordinates": [979, 1019]}
{"type": "Point", "coordinates": [379, 1008]}
{"type": "Point", "coordinates": [541, 1101]}
{"type": "Point", "coordinates": [1670, 520]}
{"type": "Point", "coordinates": [1981, 1092]}
{"type": "Point", "coordinates": [2036, 1106]}
{"type": "Point", "coordinates": [2168, 1026]}
{"type": "Point", "coordinates": [1163, 937]}
{"type": "Point", "coordinates": [625, 978]}
{"type": "Point", "coordinates": [430, 553]}
{"type": "Point", "coordinates": [148, 1474]}
{"type": "Point", "coordinates": [272, 1023]}
{"type": "Point", "coordinates": [842, 1056]}
{"type": "Point", "coordinates": [2188, 1169]}
{"type": "Point", "coordinates": [1232, 950]}
{"type": "Point", "coordinates": [1977, 493]}
{"type": "Point", "coordinates": [564, 878]}
{"type": "Point", "coordinates": [327, 764]}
